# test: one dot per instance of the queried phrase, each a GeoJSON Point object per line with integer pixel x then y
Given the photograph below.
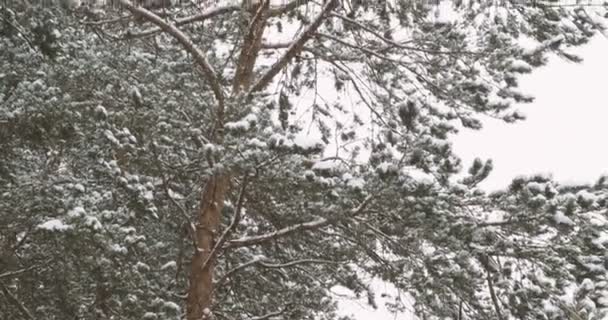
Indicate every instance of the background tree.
{"type": "Point", "coordinates": [206, 157]}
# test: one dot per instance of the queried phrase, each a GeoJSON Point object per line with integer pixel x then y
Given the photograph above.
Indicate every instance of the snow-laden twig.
{"type": "Point", "coordinates": [207, 14]}
{"type": "Point", "coordinates": [217, 11]}
{"type": "Point", "coordinates": [310, 225]}
{"type": "Point", "coordinates": [208, 71]}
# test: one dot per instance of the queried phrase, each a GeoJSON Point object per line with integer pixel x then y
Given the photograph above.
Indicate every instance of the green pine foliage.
{"type": "Point", "coordinates": [340, 166]}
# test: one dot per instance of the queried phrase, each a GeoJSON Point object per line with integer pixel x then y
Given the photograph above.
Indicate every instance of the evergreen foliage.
{"type": "Point", "coordinates": [324, 124]}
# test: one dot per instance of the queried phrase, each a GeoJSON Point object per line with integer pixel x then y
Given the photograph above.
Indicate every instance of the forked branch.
{"type": "Point", "coordinates": [295, 47]}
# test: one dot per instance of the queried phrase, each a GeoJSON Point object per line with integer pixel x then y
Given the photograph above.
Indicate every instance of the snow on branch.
{"type": "Point", "coordinates": [207, 14]}
{"type": "Point", "coordinates": [248, 241]}
{"type": "Point", "coordinates": [186, 42]}
{"type": "Point", "coordinates": [311, 225]}
{"type": "Point", "coordinates": [295, 47]}
{"type": "Point", "coordinates": [275, 10]}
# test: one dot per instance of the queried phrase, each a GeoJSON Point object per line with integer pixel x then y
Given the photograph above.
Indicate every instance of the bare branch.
{"type": "Point", "coordinates": [295, 47]}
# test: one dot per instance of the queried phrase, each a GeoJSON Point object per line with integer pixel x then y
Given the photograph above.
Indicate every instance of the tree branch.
{"type": "Point", "coordinates": [493, 296]}
{"type": "Point", "coordinates": [279, 10]}
{"type": "Point", "coordinates": [276, 45]}
{"type": "Point", "coordinates": [294, 48]}
{"type": "Point", "coordinates": [207, 14]}
{"type": "Point", "coordinates": [250, 47]}
{"type": "Point", "coordinates": [211, 13]}
{"type": "Point", "coordinates": [362, 49]}
{"type": "Point", "coordinates": [293, 263]}
{"type": "Point", "coordinates": [248, 241]}
{"type": "Point", "coordinates": [10, 274]}
{"type": "Point", "coordinates": [269, 266]}
{"type": "Point", "coordinates": [185, 41]}
{"type": "Point", "coordinates": [233, 224]}
{"type": "Point", "coordinates": [393, 43]}
{"type": "Point", "coordinates": [12, 299]}
{"type": "Point", "coordinates": [269, 315]}
{"type": "Point", "coordinates": [311, 225]}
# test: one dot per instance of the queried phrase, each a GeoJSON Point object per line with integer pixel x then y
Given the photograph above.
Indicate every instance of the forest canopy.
{"type": "Point", "coordinates": [239, 159]}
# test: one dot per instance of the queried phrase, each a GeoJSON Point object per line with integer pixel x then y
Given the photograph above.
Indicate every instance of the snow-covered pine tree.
{"type": "Point", "coordinates": [534, 251]}
{"type": "Point", "coordinates": [237, 160]}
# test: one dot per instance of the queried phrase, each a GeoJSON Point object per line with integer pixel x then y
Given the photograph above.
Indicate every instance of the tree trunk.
{"type": "Point", "coordinates": [200, 299]}
{"type": "Point", "coordinates": [207, 227]}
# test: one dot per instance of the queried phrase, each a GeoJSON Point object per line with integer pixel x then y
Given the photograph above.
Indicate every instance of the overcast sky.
{"type": "Point", "coordinates": [566, 130]}
{"type": "Point", "coordinates": [565, 134]}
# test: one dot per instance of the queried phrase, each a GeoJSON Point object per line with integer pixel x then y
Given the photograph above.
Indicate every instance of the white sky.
{"type": "Point", "coordinates": [565, 134]}
{"type": "Point", "coordinates": [566, 130]}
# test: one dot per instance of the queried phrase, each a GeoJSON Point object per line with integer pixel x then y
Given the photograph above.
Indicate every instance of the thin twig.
{"type": "Point", "coordinates": [18, 304]}
{"type": "Point", "coordinates": [395, 44]}
{"type": "Point", "coordinates": [310, 225]}
{"type": "Point", "coordinates": [260, 262]}
{"type": "Point", "coordinates": [493, 296]}
{"type": "Point", "coordinates": [11, 274]}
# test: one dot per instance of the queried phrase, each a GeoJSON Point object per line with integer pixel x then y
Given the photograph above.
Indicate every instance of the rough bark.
{"type": "Point", "coordinates": [208, 223]}
{"type": "Point", "coordinates": [200, 292]}
{"type": "Point", "coordinates": [251, 47]}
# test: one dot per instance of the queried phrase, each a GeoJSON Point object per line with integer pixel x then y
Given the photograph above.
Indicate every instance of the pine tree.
{"type": "Point", "coordinates": [239, 160]}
